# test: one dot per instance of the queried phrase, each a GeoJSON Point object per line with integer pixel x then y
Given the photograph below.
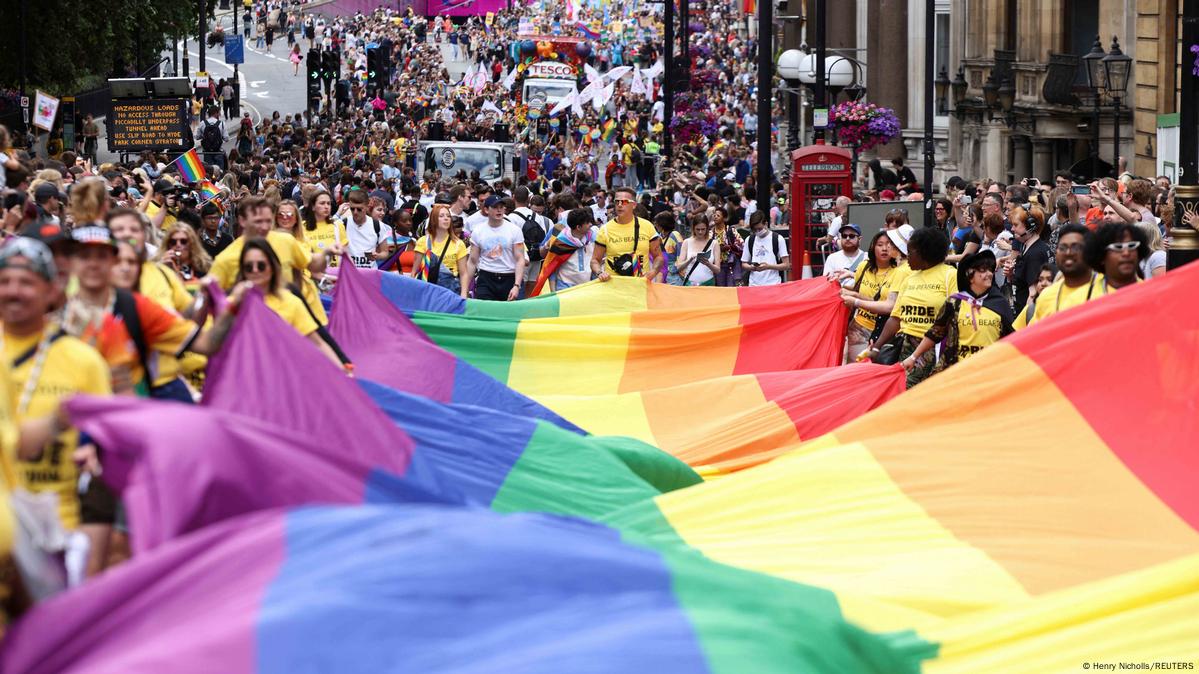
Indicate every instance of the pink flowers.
{"type": "Point", "coordinates": [863, 124]}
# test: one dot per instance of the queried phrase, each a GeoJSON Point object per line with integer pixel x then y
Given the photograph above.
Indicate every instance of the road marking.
{"type": "Point", "coordinates": [257, 83]}
{"type": "Point", "coordinates": [241, 78]}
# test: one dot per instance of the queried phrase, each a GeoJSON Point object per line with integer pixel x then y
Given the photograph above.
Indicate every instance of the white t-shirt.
{"type": "Point", "coordinates": [470, 222]}
{"type": "Point", "coordinates": [761, 249]}
{"type": "Point", "coordinates": [1155, 260]}
{"type": "Point", "coordinates": [839, 261]}
{"type": "Point", "coordinates": [688, 252]}
{"type": "Point", "coordinates": [498, 247]}
{"type": "Point", "coordinates": [576, 269]}
{"type": "Point", "coordinates": [363, 242]}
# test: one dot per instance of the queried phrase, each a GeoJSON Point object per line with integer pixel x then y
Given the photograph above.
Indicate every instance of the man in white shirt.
{"type": "Point", "coordinates": [849, 257]}
{"type": "Point", "coordinates": [765, 254]}
{"type": "Point", "coordinates": [478, 219]}
{"type": "Point", "coordinates": [840, 207]}
{"type": "Point", "coordinates": [366, 237]}
{"type": "Point", "coordinates": [497, 254]}
{"type": "Point", "coordinates": [533, 228]}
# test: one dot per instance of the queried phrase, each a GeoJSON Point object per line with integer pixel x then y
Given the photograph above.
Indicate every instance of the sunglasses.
{"type": "Point", "coordinates": [254, 266]}
{"type": "Point", "coordinates": [1123, 246]}
{"type": "Point", "coordinates": [286, 214]}
{"type": "Point", "coordinates": [624, 201]}
{"type": "Point", "coordinates": [849, 236]}
{"type": "Point", "coordinates": [179, 242]}
{"type": "Point", "coordinates": [357, 209]}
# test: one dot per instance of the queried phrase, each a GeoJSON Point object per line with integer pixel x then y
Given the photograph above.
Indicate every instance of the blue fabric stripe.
{"type": "Point", "coordinates": [410, 295]}
{"type": "Point", "coordinates": [472, 386]}
{"type": "Point", "coordinates": [471, 448]}
{"type": "Point", "coordinates": [426, 589]}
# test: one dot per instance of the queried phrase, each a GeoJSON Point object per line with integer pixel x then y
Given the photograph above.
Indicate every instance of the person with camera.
{"type": "Point", "coordinates": [697, 252]}
{"type": "Point", "coordinates": [624, 241]}
{"type": "Point", "coordinates": [497, 255]}
{"type": "Point", "coordinates": [161, 202]}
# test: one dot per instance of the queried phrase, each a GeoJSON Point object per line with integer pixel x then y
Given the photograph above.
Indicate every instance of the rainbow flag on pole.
{"type": "Point", "coordinates": [208, 191]}
{"type": "Point", "coordinates": [587, 31]}
{"type": "Point", "coordinates": [190, 168]}
{"type": "Point", "coordinates": [609, 130]}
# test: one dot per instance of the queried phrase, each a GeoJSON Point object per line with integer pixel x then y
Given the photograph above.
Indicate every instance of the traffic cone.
{"type": "Point", "coordinates": [807, 266]}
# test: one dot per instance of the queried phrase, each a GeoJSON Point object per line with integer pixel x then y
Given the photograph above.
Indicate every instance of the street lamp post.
{"type": "Point", "coordinates": [819, 102]}
{"type": "Point", "coordinates": [930, 28]}
{"type": "Point", "coordinates": [1096, 82]}
{"type": "Point", "coordinates": [765, 79]}
{"type": "Point", "coordinates": [203, 39]}
{"type": "Point", "coordinates": [789, 67]}
{"type": "Point", "coordinates": [1115, 68]}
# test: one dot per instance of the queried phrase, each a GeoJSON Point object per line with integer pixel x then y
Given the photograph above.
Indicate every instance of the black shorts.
{"type": "Point", "coordinates": [491, 286]}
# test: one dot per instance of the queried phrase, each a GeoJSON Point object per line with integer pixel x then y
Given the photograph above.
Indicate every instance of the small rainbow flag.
{"type": "Point", "coordinates": [588, 32]}
{"type": "Point", "coordinates": [208, 191]}
{"type": "Point", "coordinates": [609, 130]}
{"type": "Point", "coordinates": [191, 169]}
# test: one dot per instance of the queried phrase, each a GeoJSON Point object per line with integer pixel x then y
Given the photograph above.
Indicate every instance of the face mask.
{"type": "Point", "coordinates": [762, 234]}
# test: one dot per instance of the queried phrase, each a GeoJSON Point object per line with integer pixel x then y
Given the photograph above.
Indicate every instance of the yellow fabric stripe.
{"type": "Point", "coordinates": [586, 353]}
{"type": "Point", "coordinates": [1151, 615]}
{"type": "Point", "coordinates": [832, 517]}
{"type": "Point", "coordinates": [618, 295]}
{"type": "Point", "coordinates": [622, 414]}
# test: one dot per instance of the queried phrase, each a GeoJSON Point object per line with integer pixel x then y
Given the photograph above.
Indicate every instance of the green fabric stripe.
{"type": "Point", "coordinates": [542, 306]}
{"type": "Point", "coordinates": [485, 344]}
{"type": "Point", "coordinates": [752, 622]}
{"type": "Point", "coordinates": [660, 469]}
{"type": "Point", "coordinates": [555, 462]}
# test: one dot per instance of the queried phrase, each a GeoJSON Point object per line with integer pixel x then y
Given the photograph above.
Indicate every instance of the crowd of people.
{"type": "Point", "coordinates": [108, 279]}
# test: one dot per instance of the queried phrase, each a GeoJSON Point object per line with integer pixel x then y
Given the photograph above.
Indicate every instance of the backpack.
{"type": "Point", "coordinates": [635, 156]}
{"type": "Point", "coordinates": [210, 137]}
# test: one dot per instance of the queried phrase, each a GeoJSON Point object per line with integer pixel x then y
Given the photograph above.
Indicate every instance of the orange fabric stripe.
{"type": "Point", "coordinates": [662, 296]}
{"type": "Point", "coordinates": [1033, 486]}
{"type": "Point", "coordinates": [675, 347]}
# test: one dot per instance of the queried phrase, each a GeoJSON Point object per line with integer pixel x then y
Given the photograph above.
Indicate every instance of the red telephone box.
{"type": "Point", "coordinates": [819, 174]}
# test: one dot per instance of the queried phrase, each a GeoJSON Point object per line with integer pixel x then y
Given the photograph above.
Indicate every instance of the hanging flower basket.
{"type": "Point", "coordinates": [863, 125]}
{"type": "Point", "coordinates": [216, 38]}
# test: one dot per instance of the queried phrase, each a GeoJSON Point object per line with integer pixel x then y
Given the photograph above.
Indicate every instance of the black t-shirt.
{"type": "Point", "coordinates": [213, 248]}
{"type": "Point", "coordinates": [905, 176]}
{"type": "Point", "coordinates": [1028, 269]}
{"type": "Point", "coordinates": [961, 237]}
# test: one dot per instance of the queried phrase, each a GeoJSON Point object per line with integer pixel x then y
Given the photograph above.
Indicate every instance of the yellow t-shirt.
{"type": "Point", "coordinates": [1059, 297]}
{"type": "Point", "coordinates": [872, 284]}
{"type": "Point", "coordinates": [971, 340]}
{"type": "Point", "coordinates": [9, 479]}
{"type": "Point", "coordinates": [921, 297]}
{"type": "Point", "coordinates": [152, 210]}
{"type": "Point", "coordinates": [618, 240]}
{"type": "Point", "coordinates": [161, 284]}
{"type": "Point", "coordinates": [291, 309]}
{"type": "Point", "coordinates": [454, 252]}
{"type": "Point", "coordinates": [293, 258]}
{"type": "Point", "coordinates": [324, 236]}
{"type": "Point", "coordinates": [70, 367]}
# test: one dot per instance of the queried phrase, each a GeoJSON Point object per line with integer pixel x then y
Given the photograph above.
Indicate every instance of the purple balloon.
{"type": "Point", "coordinates": [583, 49]}
{"type": "Point", "coordinates": [528, 46]}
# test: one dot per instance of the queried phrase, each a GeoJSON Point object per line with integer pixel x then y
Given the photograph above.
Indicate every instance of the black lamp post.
{"type": "Point", "coordinates": [959, 87]}
{"type": "Point", "coordinates": [1116, 66]}
{"type": "Point", "coordinates": [1184, 243]}
{"type": "Point", "coordinates": [1096, 82]}
{"type": "Point", "coordinates": [991, 91]}
{"type": "Point", "coordinates": [1007, 95]}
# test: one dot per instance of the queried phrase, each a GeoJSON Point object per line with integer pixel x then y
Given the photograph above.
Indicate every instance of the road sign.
{"type": "Point", "coordinates": [24, 101]}
{"type": "Point", "coordinates": [537, 101]}
{"type": "Point", "coordinates": [148, 124]}
{"type": "Point", "coordinates": [235, 49]}
{"type": "Point", "coordinates": [201, 79]}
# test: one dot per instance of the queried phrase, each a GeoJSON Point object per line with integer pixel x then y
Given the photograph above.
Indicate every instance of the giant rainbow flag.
{"type": "Point", "coordinates": [796, 327]}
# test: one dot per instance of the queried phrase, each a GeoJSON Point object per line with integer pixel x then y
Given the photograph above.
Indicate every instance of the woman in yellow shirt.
{"type": "Point", "coordinates": [870, 283]}
{"type": "Point", "coordinates": [441, 257]}
{"type": "Point", "coordinates": [882, 306]}
{"type": "Point", "coordinates": [259, 266]}
{"type": "Point", "coordinates": [921, 296]}
{"type": "Point", "coordinates": [320, 232]}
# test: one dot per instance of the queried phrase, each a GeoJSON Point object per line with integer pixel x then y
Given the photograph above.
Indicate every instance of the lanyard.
{"type": "Point", "coordinates": [1090, 289]}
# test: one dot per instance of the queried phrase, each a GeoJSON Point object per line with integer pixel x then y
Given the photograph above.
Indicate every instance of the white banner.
{"type": "Point", "coordinates": [45, 109]}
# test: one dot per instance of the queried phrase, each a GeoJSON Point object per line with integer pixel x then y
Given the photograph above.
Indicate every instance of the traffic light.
{"type": "Point", "coordinates": [313, 75]}
{"type": "Point", "coordinates": [376, 71]}
{"type": "Point", "coordinates": [332, 67]}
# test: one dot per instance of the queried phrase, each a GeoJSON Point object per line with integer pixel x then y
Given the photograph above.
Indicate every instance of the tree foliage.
{"type": "Point", "coordinates": [71, 46]}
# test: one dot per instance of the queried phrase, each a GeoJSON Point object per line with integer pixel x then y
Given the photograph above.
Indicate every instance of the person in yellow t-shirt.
{"type": "Point", "coordinates": [870, 284]}
{"type": "Point", "coordinates": [972, 319]}
{"type": "Point", "coordinates": [881, 307]}
{"type": "Point", "coordinates": [47, 366]}
{"type": "Point", "coordinates": [1079, 283]}
{"type": "Point", "coordinates": [321, 230]}
{"type": "Point", "coordinates": [162, 204]}
{"type": "Point", "coordinates": [920, 298]}
{"type": "Point", "coordinates": [259, 266]}
{"type": "Point", "coordinates": [442, 250]}
{"type": "Point", "coordinates": [161, 284]}
{"type": "Point", "coordinates": [627, 245]}
{"type": "Point", "coordinates": [257, 217]}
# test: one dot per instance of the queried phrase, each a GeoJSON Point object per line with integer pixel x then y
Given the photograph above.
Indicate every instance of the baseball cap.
{"type": "Point", "coordinates": [887, 195]}
{"type": "Point", "coordinates": [45, 191]}
{"type": "Point", "coordinates": [48, 232]}
{"type": "Point", "coordinates": [493, 200]}
{"type": "Point", "coordinates": [857, 230]}
{"type": "Point", "coordinates": [39, 259]}
{"type": "Point", "coordinates": [900, 237]}
{"type": "Point", "coordinates": [164, 186]}
{"type": "Point", "coordinates": [93, 235]}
